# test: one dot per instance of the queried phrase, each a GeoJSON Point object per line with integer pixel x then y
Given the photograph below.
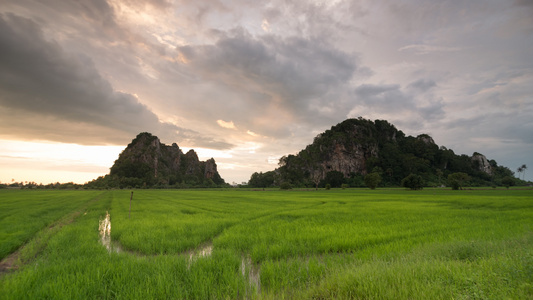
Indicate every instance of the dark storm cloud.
{"type": "Point", "coordinates": [98, 13]}
{"type": "Point", "coordinates": [282, 70]}
{"type": "Point", "coordinates": [38, 79]}
{"type": "Point", "coordinates": [92, 26]}
{"type": "Point", "coordinates": [295, 73]}
{"type": "Point", "coordinates": [37, 76]}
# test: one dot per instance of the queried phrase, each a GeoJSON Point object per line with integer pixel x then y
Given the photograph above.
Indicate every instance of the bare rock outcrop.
{"type": "Point", "coordinates": [210, 168]}
{"type": "Point", "coordinates": [153, 162]}
{"type": "Point", "coordinates": [348, 160]}
{"type": "Point", "coordinates": [428, 140]}
{"type": "Point", "coordinates": [481, 163]}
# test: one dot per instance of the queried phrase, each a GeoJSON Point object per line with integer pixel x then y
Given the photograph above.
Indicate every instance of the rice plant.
{"type": "Point", "coordinates": [237, 244]}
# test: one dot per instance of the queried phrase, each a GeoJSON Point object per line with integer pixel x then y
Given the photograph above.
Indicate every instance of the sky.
{"type": "Point", "coordinates": [246, 82]}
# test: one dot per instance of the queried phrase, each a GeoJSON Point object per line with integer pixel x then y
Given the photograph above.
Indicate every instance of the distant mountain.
{"type": "Point", "coordinates": [353, 148]}
{"type": "Point", "coordinates": [146, 162]}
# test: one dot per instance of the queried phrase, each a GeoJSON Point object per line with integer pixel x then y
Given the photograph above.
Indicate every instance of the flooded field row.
{"type": "Point", "coordinates": [338, 244]}
{"type": "Point", "coordinates": [248, 270]}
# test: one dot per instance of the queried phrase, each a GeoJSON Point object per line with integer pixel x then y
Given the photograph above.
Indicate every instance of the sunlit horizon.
{"type": "Point", "coordinates": [51, 162]}
{"type": "Point", "coordinates": [249, 82]}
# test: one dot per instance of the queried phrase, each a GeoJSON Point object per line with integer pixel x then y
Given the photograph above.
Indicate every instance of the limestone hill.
{"type": "Point", "coordinates": [146, 162]}
{"type": "Point", "coordinates": [355, 147]}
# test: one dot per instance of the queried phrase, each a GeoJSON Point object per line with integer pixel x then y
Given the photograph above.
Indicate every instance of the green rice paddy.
{"type": "Point", "coordinates": [239, 244]}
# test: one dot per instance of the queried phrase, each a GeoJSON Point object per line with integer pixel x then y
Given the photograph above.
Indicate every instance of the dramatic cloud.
{"type": "Point", "coordinates": [259, 79]}
{"type": "Point", "coordinates": [285, 80]}
{"type": "Point", "coordinates": [47, 93]}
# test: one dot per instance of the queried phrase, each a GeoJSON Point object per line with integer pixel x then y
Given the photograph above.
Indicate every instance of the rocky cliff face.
{"type": "Point", "coordinates": [356, 147]}
{"type": "Point", "coordinates": [481, 163]}
{"type": "Point", "coordinates": [347, 158]}
{"type": "Point", "coordinates": [345, 148]}
{"type": "Point", "coordinates": [210, 170]}
{"type": "Point", "coordinates": [426, 139]}
{"type": "Point", "coordinates": [147, 159]}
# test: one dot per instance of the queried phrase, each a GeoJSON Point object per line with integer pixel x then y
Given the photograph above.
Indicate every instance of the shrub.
{"type": "Point", "coordinates": [458, 180]}
{"type": "Point", "coordinates": [285, 186]}
{"type": "Point", "coordinates": [335, 178]}
{"type": "Point", "coordinates": [414, 182]}
{"type": "Point", "coordinates": [328, 186]}
{"type": "Point", "coordinates": [372, 180]}
{"type": "Point", "coordinates": [508, 181]}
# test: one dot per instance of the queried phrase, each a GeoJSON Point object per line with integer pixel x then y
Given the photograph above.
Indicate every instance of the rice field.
{"type": "Point", "coordinates": [243, 244]}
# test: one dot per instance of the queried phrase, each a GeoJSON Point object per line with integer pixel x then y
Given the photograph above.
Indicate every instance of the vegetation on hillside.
{"type": "Point", "coordinates": [384, 150]}
{"type": "Point", "coordinates": [353, 153]}
{"type": "Point", "coordinates": [147, 163]}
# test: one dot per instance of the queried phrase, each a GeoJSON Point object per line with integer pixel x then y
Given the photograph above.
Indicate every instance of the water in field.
{"type": "Point", "coordinates": [251, 272]}
{"type": "Point", "coordinates": [104, 228]}
{"type": "Point", "coordinates": [204, 251]}
{"type": "Point", "coordinates": [389, 244]}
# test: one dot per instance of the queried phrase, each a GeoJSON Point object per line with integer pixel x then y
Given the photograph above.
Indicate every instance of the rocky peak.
{"type": "Point", "coordinates": [428, 140]}
{"type": "Point", "coordinates": [481, 163]}
{"type": "Point", "coordinates": [210, 168]}
{"type": "Point", "coordinates": [148, 159]}
{"type": "Point", "coordinates": [191, 155]}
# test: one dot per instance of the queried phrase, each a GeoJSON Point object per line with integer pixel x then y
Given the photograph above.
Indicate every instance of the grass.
{"type": "Point", "coordinates": [23, 213]}
{"type": "Point", "coordinates": [337, 244]}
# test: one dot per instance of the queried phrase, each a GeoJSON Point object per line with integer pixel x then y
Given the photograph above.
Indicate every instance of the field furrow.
{"type": "Point", "coordinates": [236, 244]}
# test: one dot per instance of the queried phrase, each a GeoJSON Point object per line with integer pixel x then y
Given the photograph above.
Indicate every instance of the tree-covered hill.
{"type": "Point", "coordinates": [146, 162]}
{"type": "Point", "coordinates": [354, 148]}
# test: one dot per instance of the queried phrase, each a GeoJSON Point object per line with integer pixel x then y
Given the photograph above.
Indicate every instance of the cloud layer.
{"type": "Point", "coordinates": [260, 79]}
{"type": "Point", "coordinates": [50, 94]}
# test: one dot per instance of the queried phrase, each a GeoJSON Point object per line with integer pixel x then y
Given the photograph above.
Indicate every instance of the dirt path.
{"type": "Point", "coordinates": [8, 264]}
{"type": "Point", "coordinates": [13, 261]}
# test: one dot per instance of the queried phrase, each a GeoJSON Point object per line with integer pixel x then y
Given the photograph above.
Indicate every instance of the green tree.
{"type": "Point", "coordinates": [372, 180]}
{"type": "Point", "coordinates": [262, 180]}
{"type": "Point", "coordinates": [413, 182]}
{"type": "Point", "coordinates": [522, 169]}
{"type": "Point", "coordinates": [439, 175]}
{"type": "Point", "coordinates": [334, 178]}
{"type": "Point", "coordinates": [285, 186]}
{"type": "Point", "coordinates": [458, 180]}
{"type": "Point", "coordinates": [508, 181]}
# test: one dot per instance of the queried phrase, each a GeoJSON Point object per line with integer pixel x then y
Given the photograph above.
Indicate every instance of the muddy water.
{"type": "Point", "coordinates": [201, 252]}
{"type": "Point", "coordinates": [105, 231]}
{"type": "Point", "coordinates": [248, 270]}
{"type": "Point", "coordinates": [204, 251]}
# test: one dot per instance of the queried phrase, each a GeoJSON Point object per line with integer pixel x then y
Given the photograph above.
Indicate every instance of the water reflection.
{"type": "Point", "coordinates": [104, 228]}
